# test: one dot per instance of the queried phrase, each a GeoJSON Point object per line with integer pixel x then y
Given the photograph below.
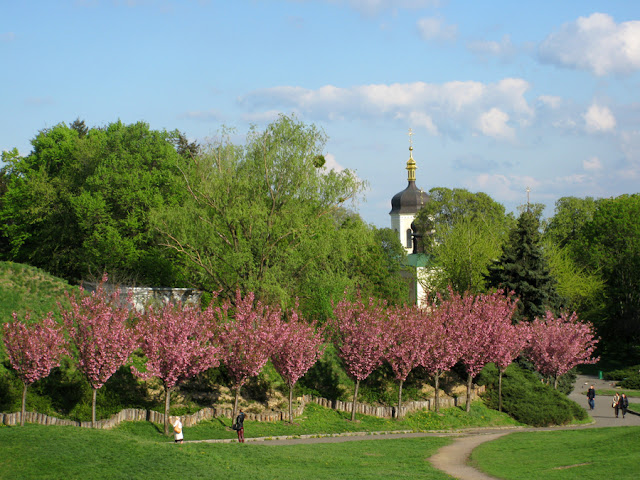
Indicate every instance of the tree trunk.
{"type": "Point", "coordinates": [23, 411]}
{"type": "Point", "coordinates": [469, 381]}
{"type": "Point", "coordinates": [355, 399]}
{"type": "Point", "coordinates": [93, 408]}
{"type": "Point", "coordinates": [555, 382]}
{"type": "Point", "coordinates": [235, 405]}
{"type": "Point", "coordinates": [290, 403]}
{"type": "Point", "coordinates": [399, 401]}
{"type": "Point", "coordinates": [167, 404]}
{"type": "Point", "coordinates": [436, 382]}
{"type": "Point", "coordinates": [500, 390]}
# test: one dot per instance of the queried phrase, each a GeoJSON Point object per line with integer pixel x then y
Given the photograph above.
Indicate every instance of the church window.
{"type": "Point", "coordinates": [409, 239]}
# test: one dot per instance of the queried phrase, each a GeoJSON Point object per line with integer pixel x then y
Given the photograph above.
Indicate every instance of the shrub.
{"type": "Point", "coordinates": [622, 373]}
{"type": "Point", "coordinates": [632, 382]}
{"type": "Point", "coordinates": [527, 399]}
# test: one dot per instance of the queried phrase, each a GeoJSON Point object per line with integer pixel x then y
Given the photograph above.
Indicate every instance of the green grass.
{"type": "Point", "coordinates": [611, 393]}
{"type": "Point", "coordinates": [320, 420]}
{"type": "Point", "coordinates": [594, 453]}
{"type": "Point", "coordinates": [39, 452]}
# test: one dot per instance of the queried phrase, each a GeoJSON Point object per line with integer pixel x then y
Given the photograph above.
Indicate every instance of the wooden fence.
{"type": "Point", "coordinates": [140, 415]}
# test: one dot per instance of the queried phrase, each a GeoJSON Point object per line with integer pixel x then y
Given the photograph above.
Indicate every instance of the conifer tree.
{"type": "Point", "coordinates": [523, 269]}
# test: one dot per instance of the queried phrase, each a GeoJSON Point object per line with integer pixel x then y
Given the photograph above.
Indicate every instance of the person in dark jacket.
{"type": "Point", "coordinates": [239, 426]}
{"type": "Point", "coordinates": [623, 404]}
{"type": "Point", "coordinates": [591, 395]}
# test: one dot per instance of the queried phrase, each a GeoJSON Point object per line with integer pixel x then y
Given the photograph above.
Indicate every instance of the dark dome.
{"type": "Point", "coordinates": [410, 200]}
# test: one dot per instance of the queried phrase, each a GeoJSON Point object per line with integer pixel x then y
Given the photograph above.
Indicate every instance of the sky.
{"type": "Point", "coordinates": [500, 96]}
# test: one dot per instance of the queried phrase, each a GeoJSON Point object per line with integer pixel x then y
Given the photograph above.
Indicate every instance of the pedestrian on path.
{"type": "Point", "coordinates": [614, 403]}
{"type": "Point", "coordinates": [239, 426]}
{"type": "Point", "coordinates": [177, 430]}
{"type": "Point", "coordinates": [623, 404]}
{"type": "Point", "coordinates": [591, 395]}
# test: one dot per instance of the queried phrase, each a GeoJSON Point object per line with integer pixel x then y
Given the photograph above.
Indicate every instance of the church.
{"type": "Point", "coordinates": [405, 206]}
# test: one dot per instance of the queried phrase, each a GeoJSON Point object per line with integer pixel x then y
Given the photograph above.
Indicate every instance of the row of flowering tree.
{"type": "Point", "coordinates": [180, 341]}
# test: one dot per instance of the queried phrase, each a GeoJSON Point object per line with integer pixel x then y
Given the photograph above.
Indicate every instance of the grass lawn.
{"type": "Point", "coordinates": [48, 452]}
{"type": "Point", "coordinates": [593, 453]}
{"type": "Point", "coordinates": [321, 420]}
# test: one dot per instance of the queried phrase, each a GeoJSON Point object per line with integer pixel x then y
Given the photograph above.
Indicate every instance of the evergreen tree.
{"type": "Point", "coordinates": [523, 269]}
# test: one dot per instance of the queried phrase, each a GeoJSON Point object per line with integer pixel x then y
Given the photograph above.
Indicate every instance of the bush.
{"type": "Point", "coordinates": [622, 373]}
{"type": "Point", "coordinates": [527, 399]}
{"type": "Point", "coordinates": [631, 382]}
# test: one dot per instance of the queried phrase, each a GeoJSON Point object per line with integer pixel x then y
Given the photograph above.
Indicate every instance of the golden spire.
{"type": "Point", "coordinates": [411, 163]}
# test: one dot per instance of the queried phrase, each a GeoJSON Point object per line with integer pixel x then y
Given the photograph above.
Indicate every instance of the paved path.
{"type": "Point", "coordinates": [453, 458]}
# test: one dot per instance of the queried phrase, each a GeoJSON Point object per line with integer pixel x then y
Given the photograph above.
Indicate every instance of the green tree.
{"type": "Point", "coordinates": [571, 213]}
{"type": "Point", "coordinates": [467, 233]}
{"type": "Point", "coordinates": [78, 204]}
{"type": "Point", "coordinates": [523, 269]}
{"type": "Point", "coordinates": [610, 244]}
{"type": "Point", "coordinates": [263, 217]}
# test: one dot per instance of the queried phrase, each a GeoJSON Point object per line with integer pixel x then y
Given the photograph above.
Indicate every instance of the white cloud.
{"type": "Point", "coordinates": [592, 164]}
{"type": "Point", "coordinates": [507, 188]}
{"type": "Point", "coordinates": [450, 108]}
{"type": "Point", "coordinates": [262, 117]}
{"type": "Point", "coordinates": [331, 163]}
{"type": "Point", "coordinates": [595, 43]}
{"type": "Point", "coordinates": [599, 119]}
{"type": "Point", "coordinates": [494, 124]}
{"type": "Point", "coordinates": [435, 29]}
{"type": "Point", "coordinates": [550, 101]}
{"type": "Point", "coordinates": [503, 49]}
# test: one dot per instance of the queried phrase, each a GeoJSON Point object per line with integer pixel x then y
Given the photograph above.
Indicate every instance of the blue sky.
{"type": "Point", "coordinates": [500, 95]}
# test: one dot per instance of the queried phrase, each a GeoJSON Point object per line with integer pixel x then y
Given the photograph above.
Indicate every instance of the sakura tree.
{"type": "Point", "coordinates": [299, 345]}
{"type": "Point", "coordinates": [100, 335]}
{"type": "Point", "coordinates": [508, 342]}
{"type": "Point", "coordinates": [176, 340]}
{"type": "Point", "coordinates": [361, 338]}
{"type": "Point", "coordinates": [441, 349]}
{"type": "Point", "coordinates": [557, 344]}
{"type": "Point", "coordinates": [481, 322]}
{"type": "Point", "coordinates": [34, 349]}
{"type": "Point", "coordinates": [406, 343]}
{"type": "Point", "coordinates": [247, 338]}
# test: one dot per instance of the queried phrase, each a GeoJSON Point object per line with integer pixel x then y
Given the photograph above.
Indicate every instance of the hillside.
{"type": "Point", "coordinates": [24, 288]}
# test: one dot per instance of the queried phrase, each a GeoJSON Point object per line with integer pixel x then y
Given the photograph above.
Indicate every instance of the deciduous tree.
{"type": "Point", "coordinates": [299, 344]}
{"type": "Point", "coordinates": [99, 332]}
{"type": "Point", "coordinates": [557, 344]}
{"type": "Point", "coordinates": [407, 331]}
{"type": "Point", "coordinates": [33, 350]}
{"type": "Point", "coordinates": [246, 336]}
{"type": "Point", "coordinates": [176, 341]}
{"type": "Point", "coordinates": [361, 338]}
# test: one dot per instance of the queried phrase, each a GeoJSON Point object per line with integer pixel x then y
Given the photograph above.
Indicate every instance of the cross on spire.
{"type": "Point", "coordinates": [410, 137]}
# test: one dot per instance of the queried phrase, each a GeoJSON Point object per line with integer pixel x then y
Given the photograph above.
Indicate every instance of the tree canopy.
{"type": "Point", "coordinates": [78, 204]}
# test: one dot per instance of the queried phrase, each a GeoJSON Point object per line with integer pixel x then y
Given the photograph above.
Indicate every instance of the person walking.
{"type": "Point", "coordinates": [614, 403]}
{"type": "Point", "coordinates": [177, 430]}
{"type": "Point", "coordinates": [623, 404]}
{"type": "Point", "coordinates": [239, 426]}
{"type": "Point", "coordinates": [591, 395]}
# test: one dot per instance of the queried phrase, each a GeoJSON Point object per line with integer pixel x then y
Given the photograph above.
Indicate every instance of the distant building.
{"type": "Point", "coordinates": [405, 206]}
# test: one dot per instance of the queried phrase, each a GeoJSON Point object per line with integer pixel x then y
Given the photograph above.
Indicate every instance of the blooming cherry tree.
{"type": "Point", "coordinates": [299, 345]}
{"type": "Point", "coordinates": [33, 349]}
{"type": "Point", "coordinates": [176, 340]}
{"type": "Point", "coordinates": [557, 344]}
{"type": "Point", "coordinates": [361, 338]}
{"type": "Point", "coordinates": [406, 343]}
{"type": "Point", "coordinates": [247, 338]}
{"type": "Point", "coordinates": [100, 335]}
{"type": "Point", "coordinates": [481, 323]}
{"type": "Point", "coordinates": [441, 349]}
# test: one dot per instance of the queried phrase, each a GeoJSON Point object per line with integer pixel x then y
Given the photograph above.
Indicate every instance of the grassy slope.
{"type": "Point", "coordinates": [38, 452]}
{"type": "Point", "coordinates": [24, 288]}
{"type": "Point", "coordinates": [581, 454]}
